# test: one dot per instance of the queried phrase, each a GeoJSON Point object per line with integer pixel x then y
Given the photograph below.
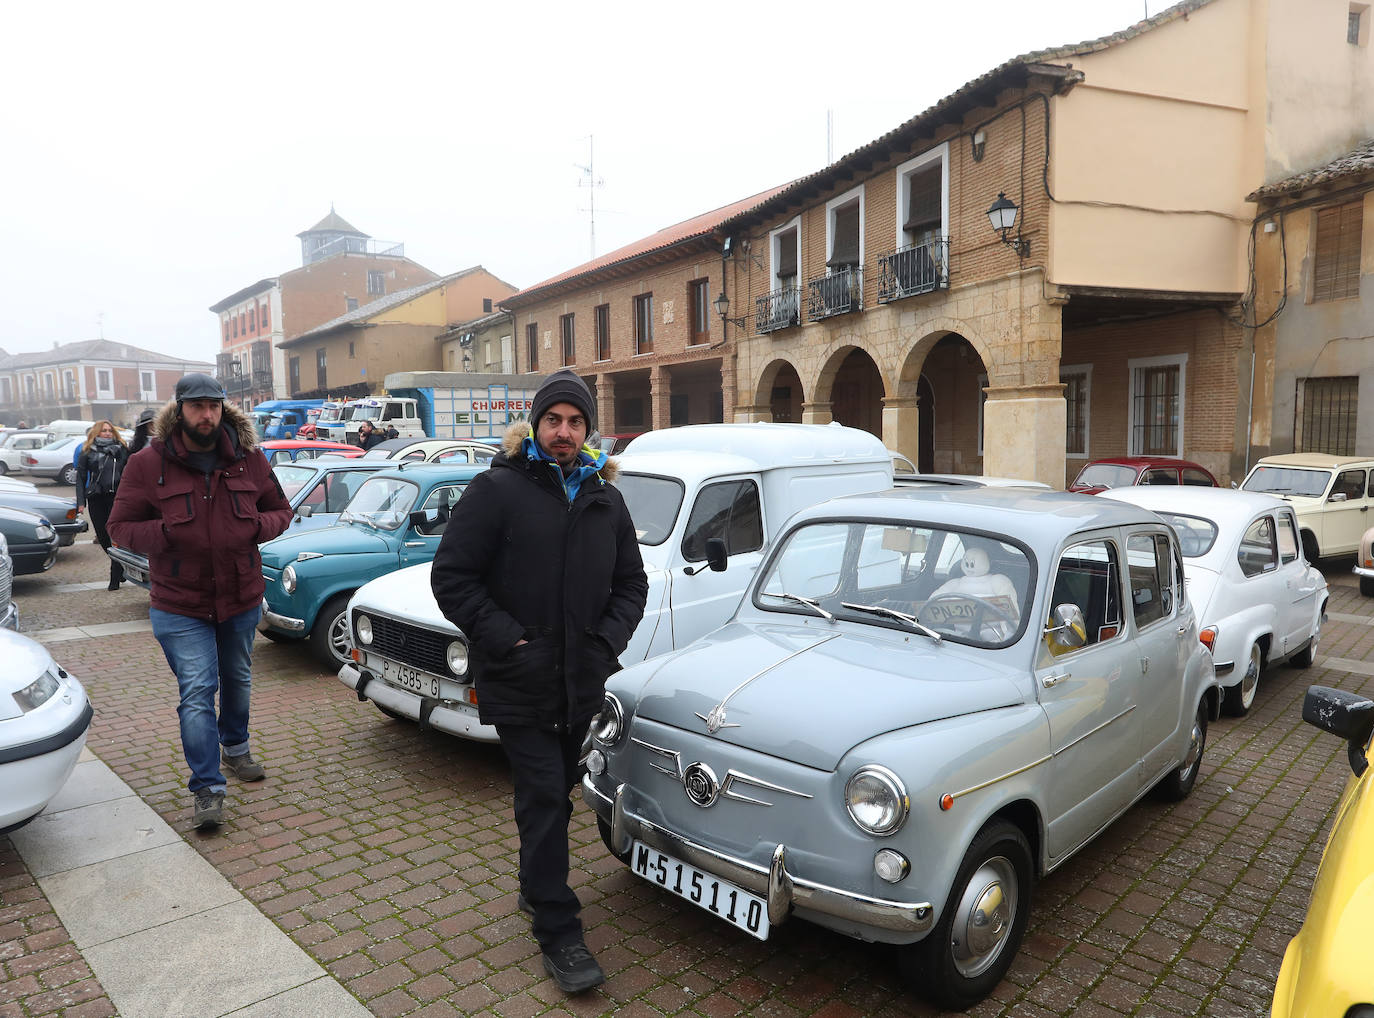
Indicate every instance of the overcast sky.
{"type": "Point", "coordinates": [159, 157]}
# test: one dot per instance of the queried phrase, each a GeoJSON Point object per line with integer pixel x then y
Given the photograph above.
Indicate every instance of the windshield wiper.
{"type": "Point", "coordinates": [810, 602]}
{"type": "Point", "coordinates": [893, 613]}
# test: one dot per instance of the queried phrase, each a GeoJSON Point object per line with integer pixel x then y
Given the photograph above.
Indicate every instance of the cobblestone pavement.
{"type": "Point", "coordinates": [390, 856]}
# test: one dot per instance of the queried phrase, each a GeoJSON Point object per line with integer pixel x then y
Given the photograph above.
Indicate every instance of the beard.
{"type": "Point", "coordinates": [203, 438]}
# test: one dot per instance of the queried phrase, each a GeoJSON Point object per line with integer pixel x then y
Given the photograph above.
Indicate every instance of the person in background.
{"type": "Point", "coordinates": [145, 420]}
{"type": "Point", "coordinates": [99, 466]}
{"type": "Point", "coordinates": [368, 436]}
{"type": "Point", "coordinates": [391, 431]}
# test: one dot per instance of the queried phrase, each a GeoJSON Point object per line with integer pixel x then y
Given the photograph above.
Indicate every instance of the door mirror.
{"type": "Point", "coordinates": [1337, 496]}
{"type": "Point", "coordinates": [305, 510]}
{"type": "Point", "coordinates": [716, 554]}
{"type": "Point", "coordinates": [1345, 715]}
{"type": "Point", "coordinates": [1067, 631]}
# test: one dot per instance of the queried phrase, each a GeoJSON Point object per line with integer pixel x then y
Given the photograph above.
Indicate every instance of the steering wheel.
{"type": "Point", "coordinates": [984, 605]}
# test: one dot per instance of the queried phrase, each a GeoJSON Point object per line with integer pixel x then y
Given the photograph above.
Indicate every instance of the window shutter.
{"type": "Point", "coordinates": [787, 255]}
{"type": "Point", "coordinates": [1348, 251]}
{"type": "Point", "coordinates": [923, 210]}
{"type": "Point", "coordinates": [1336, 265]}
{"type": "Point", "coordinates": [845, 249]}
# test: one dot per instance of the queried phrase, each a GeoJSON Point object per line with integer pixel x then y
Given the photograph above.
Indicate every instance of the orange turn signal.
{"type": "Point", "coordinates": [946, 801]}
{"type": "Point", "coordinates": [1208, 637]}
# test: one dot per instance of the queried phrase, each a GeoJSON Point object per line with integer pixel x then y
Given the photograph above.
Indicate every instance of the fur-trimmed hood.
{"type": "Point", "coordinates": [520, 430]}
{"type": "Point", "coordinates": [164, 425]}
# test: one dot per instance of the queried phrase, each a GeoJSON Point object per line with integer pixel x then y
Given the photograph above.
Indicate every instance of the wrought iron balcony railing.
{"type": "Point", "coordinates": [836, 294]}
{"type": "Point", "coordinates": [779, 309]}
{"type": "Point", "coordinates": [919, 268]}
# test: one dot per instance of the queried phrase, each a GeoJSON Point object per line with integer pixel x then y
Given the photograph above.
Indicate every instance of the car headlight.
{"type": "Point", "coordinates": [37, 692]}
{"type": "Point", "coordinates": [458, 657]}
{"type": "Point", "coordinates": [876, 800]}
{"type": "Point", "coordinates": [288, 579]}
{"type": "Point", "coordinates": [364, 627]}
{"type": "Point", "coordinates": [608, 725]}
{"type": "Point", "coordinates": [43, 532]}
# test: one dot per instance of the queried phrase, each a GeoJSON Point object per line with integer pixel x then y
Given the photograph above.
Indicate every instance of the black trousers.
{"type": "Point", "coordinates": [544, 768]}
{"type": "Point", "coordinates": [98, 507]}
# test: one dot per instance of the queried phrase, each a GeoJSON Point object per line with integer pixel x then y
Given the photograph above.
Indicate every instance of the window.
{"type": "Point", "coordinates": [566, 329]}
{"type": "Point", "coordinates": [728, 510]}
{"type": "Point", "coordinates": [1156, 406]}
{"type": "Point", "coordinates": [5, 394]}
{"type": "Point", "coordinates": [1089, 577]}
{"type": "Point", "coordinates": [376, 283]}
{"type": "Point", "coordinates": [350, 349]}
{"type": "Point", "coordinates": [1326, 414]}
{"type": "Point", "coordinates": [243, 323]}
{"type": "Point", "coordinates": [264, 315]}
{"type": "Point", "coordinates": [252, 320]}
{"type": "Point", "coordinates": [1336, 256]}
{"type": "Point", "coordinates": [486, 305]}
{"type": "Point", "coordinates": [1150, 564]}
{"type": "Point", "coordinates": [1288, 538]}
{"type": "Point", "coordinates": [845, 227]}
{"type": "Point", "coordinates": [1349, 483]}
{"type": "Point", "coordinates": [603, 332]}
{"type": "Point", "coordinates": [1355, 23]}
{"type": "Point", "coordinates": [226, 329]}
{"type": "Point", "coordinates": [1077, 391]}
{"type": "Point", "coordinates": [786, 255]}
{"type": "Point", "coordinates": [320, 380]}
{"type": "Point", "coordinates": [532, 346]}
{"type": "Point", "coordinates": [350, 304]}
{"type": "Point", "coordinates": [1258, 552]}
{"type": "Point", "coordinates": [1169, 476]}
{"type": "Point", "coordinates": [146, 380]}
{"type": "Point", "coordinates": [1195, 477]}
{"type": "Point", "coordinates": [293, 374]}
{"type": "Point", "coordinates": [699, 301]}
{"type": "Point", "coordinates": [103, 383]}
{"type": "Point", "coordinates": [644, 323]}
{"type": "Point", "coordinates": [235, 322]}
{"type": "Point", "coordinates": [677, 409]}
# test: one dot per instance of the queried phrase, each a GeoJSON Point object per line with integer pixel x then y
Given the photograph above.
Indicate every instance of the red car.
{"type": "Point", "coordinates": [1124, 471]}
{"type": "Point", "coordinates": [287, 450]}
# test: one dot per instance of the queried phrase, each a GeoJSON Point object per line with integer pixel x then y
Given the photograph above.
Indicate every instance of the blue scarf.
{"type": "Point", "coordinates": [589, 462]}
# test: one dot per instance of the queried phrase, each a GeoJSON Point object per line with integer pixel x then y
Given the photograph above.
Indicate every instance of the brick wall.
{"type": "Point", "coordinates": [317, 293]}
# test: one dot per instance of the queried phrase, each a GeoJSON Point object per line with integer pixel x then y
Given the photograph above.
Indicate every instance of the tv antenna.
{"type": "Point", "coordinates": [591, 182]}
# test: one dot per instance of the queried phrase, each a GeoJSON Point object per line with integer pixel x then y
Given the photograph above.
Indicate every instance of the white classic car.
{"type": "Point", "coordinates": [927, 698]}
{"type": "Point", "coordinates": [1331, 494]}
{"type": "Point", "coordinates": [1364, 563]}
{"type": "Point", "coordinates": [1258, 600]}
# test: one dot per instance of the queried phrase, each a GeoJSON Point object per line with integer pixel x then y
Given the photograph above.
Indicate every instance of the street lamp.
{"type": "Point", "coordinates": [722, 306]}
{"type": "Point", "coordinates": [1002, 216]}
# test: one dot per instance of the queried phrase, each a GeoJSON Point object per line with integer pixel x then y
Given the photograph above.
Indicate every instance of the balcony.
{"type": "Point", "coordinates": [780, 309]}
{"type": "Point", "coordinates": [836, 294]}
{"type": "Point", "coordinates": [920, 268]}
{"type": "Point", "coordinates": [355, 245]}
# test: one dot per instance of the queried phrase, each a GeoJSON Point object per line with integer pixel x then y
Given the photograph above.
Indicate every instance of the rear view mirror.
{"type": "Point", "coordinates": [1337, 496]}
{"type": "Point", "coordinates": [305, 510]}
{"type": "Point", "coordinates": [1345, 715]}
{"type": "Point", "coordinates": [1067, 631]}
{"type": "Point", "coordinates": [716, 554]}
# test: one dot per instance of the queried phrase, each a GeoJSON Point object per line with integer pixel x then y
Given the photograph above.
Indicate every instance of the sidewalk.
{"type": "Point", "coordinates": [163, 932]}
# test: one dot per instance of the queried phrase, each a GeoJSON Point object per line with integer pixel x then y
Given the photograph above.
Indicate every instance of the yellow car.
{"type": "Point", "coordinates": [1326, 968]}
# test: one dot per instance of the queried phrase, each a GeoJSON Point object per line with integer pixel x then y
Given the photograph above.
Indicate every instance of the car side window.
{"type": "Point", "coordinates": [1288, 538]}
{"type": "Point", "coordinates": [1349, 483]}
{"type": "Point", "coordinates": [439, 504]}
{"type": "Point", "coordinates": [1259, 551]}
{"type": "Point", "coordinates": [1149, 564]}
{"type": "Point", "coordinates": [341, 486]}
{"type": "Point", "coordinates": [1160, 477]}
{"type": "Point", "coordinates": [1088, 576]}
{"type": "Point", "coordinates": [316, 496]}
{"type": "Point", "coordinates": [728, 510]}
{"type": "Point", "coordinates": [1192, 475]}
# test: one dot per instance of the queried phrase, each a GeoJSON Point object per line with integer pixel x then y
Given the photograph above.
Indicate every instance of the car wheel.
{"type": "Point", "coordinates": [68, 475]}
{"type": "Point", "coordinates": [4, 468]}
{"type": "Point", "coordinates": [1366, 586]}
{"type": "Point", "coordinates": [963, 959]}
{"type": "Point", "coordinates": [329, 638]}
{"type": "Point", "coordinates": [1241, 696]}
{"type": "Point", "coordinates": [1305, 657]}
{"type": "Point", "coordinates": [604, 829]}
{"type": "Point", "coordinates": [1310, 550]}
{"type": "Point", "coordinates": [1180, 781]}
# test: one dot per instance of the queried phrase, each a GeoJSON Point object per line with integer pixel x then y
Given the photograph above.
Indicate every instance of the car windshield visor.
{"type": "Point", "coordinates": [382, 502]}
{"type": "Point", "coordinates": [653, 502]}
{"type": "Point", "coordinates": [1288, 481]}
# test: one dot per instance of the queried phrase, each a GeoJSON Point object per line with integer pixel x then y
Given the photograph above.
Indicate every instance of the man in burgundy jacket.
{"type": "Point", "coordinates": [198, 500]}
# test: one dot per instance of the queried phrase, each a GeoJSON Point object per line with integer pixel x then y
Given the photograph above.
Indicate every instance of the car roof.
{"type": "Point", "coordinates": [777, 444]}
{"type": "Point", "coordinates": [1145, 461]}
{"type": "Point", "coordinates": [1220, 505]}
{"type": "Point", "coordinates": [323, 464]}
{"type": "Point", "coordinates": [304, 443]}
{"type": "Point", "coordinates": [1316, 460]}
{"type": "Point", "coordinates": [432, 473]}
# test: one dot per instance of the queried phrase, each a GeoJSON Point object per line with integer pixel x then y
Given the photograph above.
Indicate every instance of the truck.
{"type": "Point", "coordinates": [461, 404]}
{"type": "Point", "coordinates": [706, 500]}
{"type": "Point", "coordinates": [282, 418]}
{"type": "Point", "coordinates": [332, 422]}
{"type": "Point", "coordinates": [386, 413]}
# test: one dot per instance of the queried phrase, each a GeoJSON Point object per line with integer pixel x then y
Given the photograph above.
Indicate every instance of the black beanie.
{"type": "Point", "coordinates": [564, 387]}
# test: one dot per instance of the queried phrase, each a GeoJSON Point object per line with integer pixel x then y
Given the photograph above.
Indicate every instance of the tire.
{"type": "Point", "coordinates": [4, 468]}
{"type": "Point", "coordinates": [1179, 782]}
{"type": "Point", "coordinates": [604, 829]}
{"type": "Point", "coordinates": [963, 959]}
{"type": "Point", "coordinates": [68, 475]}
{"type": "Point", "coordinates": [1366, 586]}
{"type": "Point", "coordinates": [1241, 697]}
{"type": "Point", "coordinates": [329, 640]}
{"type": "Point", "coordinates": [1305, 657]}
{"type": "Point", "coordinates": [1310, 550]}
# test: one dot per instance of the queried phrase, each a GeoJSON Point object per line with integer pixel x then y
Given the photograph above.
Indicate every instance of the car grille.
{"type": "Point", "coordinates": [6, 581]}
{"type": "Point", "coordinates": [412, 645]}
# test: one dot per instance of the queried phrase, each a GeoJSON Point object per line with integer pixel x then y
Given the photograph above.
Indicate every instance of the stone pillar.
{"type": "Point", "coordinates": [728, 395]}
{"type": "Point", "coordinates": [901, 425]}
{"type": "Point", "coordinates": [816, 413]}
{"type": "Point", "coordinates": [1023, 433]}
{"type": "Point", "coordinates": [745, 414]}
{"type": "Point", "coordinates": [605, 404]}
{"type": "Point", "coordinates": [660, 388]}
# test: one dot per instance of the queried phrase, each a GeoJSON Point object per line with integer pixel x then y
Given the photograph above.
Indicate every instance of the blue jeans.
{"type": "Point", "coordinates": [209, 657]}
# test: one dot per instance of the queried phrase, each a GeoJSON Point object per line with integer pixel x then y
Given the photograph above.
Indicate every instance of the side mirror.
{"type": "Point", "coordinates": [1337, 496]}
{"type": "Point", "coordinates": [422, 518]}
{"type": "Point", "coordinates": [1235, 486]}
{"type": "Point", "coordinates": [305, 510]}
{"type": "Point", "coordinates": [1345, 715]}
{"type": "Point", "coordinates": [716, 554]}
{"type": "Point", "coordinates": [1068, 631]}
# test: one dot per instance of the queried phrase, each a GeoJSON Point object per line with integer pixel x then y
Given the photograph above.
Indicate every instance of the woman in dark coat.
{"type": "Point", "coordinates": [99, 467]}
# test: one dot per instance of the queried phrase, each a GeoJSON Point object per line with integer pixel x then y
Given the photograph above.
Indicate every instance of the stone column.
{"type": "Point", "coordinates": [902, 425]}
{"type": "Point", "coordinates": [1023, 433]}
{"type": "Point", "coordinates": [660, 388]}
{"type": "Point", "coordinates": [745, 414]}
{"type": "Point", "coordinates": [816, 413]}
{"type": "Point", "coordinates": [605, 403]}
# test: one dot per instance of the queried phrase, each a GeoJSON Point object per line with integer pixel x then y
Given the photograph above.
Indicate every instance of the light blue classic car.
{"type": "Point", "coordinates": [394, 520]}
{"type": "Point", "coordinates": [927, 699]}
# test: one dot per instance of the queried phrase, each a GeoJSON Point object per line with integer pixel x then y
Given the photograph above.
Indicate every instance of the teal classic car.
{"type": "Point", "coordinates": [394, 520]}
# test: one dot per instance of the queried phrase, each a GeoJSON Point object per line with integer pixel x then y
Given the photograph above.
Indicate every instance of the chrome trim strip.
{"type": "Point", "coordinates": [1086, 735]}
{"type": "Point", "coordinates": [715, 720]}
{"type": "Point", "coordinates": [732, 776]}
{"type": "Point", "coordinates": [1001, 777]}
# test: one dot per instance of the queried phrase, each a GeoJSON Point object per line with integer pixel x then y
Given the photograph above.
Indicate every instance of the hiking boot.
{"type": "Point", "coordinates": [209, 809]}
{"type": "Point", "coordinates": [573, 968]}
{"type": "Point", "coordinates": [244, 767]}
{"type": "Point", "coordinates": [523, 904]}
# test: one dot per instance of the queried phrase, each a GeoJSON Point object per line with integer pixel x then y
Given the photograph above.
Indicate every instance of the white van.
{"type": "Point", "coordinates": [69, 429]}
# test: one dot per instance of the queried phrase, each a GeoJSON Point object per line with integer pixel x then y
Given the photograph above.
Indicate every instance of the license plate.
{"type": "Point", "coordinates": [721, 898]}
{"type": "Point", "coordinates": [406, 677]}
{"type": "Point", "coordinates": [135, 574]}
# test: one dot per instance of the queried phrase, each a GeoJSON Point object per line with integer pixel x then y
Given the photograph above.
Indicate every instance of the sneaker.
{"type": "Point", "coordinates": [573, 968]}
{"type": "Point", "coordinates": [244, 767]}
{"type": "Point", "coordinates": [523, 904]}
{"type": "Point", "coordinates": [209, 809]}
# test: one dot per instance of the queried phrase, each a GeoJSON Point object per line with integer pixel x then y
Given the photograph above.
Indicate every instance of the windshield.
{"type": "Point", "coordinates": [329, 415]}
{"type": "Point", "coordinates": [382, 502]}
{"type": "Point", "coordinates": [1195, 534]}
{"type": "Point", "coordinates": [292, 478]}
{"type": "Point", "coordinates": [1288, 481]}
{"type": "Point", "coordinates": [969, 588]}
{"type": "Point", "coordinates": [367, 413]}
{"type": "Point", "coordinates": [653, 503]}
{"type": "Point", "coordinates": [1106, 475]}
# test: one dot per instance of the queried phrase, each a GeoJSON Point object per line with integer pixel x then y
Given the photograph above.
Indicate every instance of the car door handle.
{"type": "Point", "coordinates": [415, 544]}
{"type": "Point", "coordinates": [1182, 629]}
{"type": "Point", "coordinates": [1144, 665]}
{"type": "Point", "coordinates": [1054, 678]}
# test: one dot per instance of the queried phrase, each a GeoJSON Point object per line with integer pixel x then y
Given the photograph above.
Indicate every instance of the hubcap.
{"type": "Point", "coordinates": [1250, 680]}
{"type": "Point", "coordinates": [985, 915]}
{"type": "Point", "coordinates": [1194, 748]}
{"type": "Point", "coordinates": [338, 637]}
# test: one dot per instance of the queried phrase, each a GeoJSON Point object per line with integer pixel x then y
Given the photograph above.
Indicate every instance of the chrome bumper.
{"type": "Point", "coordinates": [9, 617]}
{"type": "Point", "coordinates": [1363, 571]}
{"type": "Point", "coordinates": [783, 890]}
{"type": "Point", "coordinates": [436, 714]}
{"type": "Point", "coordinates": [271, 620]}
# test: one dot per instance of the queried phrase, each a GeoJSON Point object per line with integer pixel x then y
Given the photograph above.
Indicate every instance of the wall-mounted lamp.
{"type": "Point", "coordinates": [1002, 216]}
{"type": "Point", "coordinates": [980, 141]}
{"type": "Point", "coordinates": [722, 306]}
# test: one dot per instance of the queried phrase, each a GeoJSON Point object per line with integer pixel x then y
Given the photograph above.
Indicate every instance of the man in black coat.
{"type": "Point", "coordinates": [539, 566]}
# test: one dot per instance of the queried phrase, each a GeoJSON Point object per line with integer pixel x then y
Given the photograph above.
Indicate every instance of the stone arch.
{"type": "Point", "coordinates": [765, 407]}
{"type": "Point", "coordinates": [909, 371]}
